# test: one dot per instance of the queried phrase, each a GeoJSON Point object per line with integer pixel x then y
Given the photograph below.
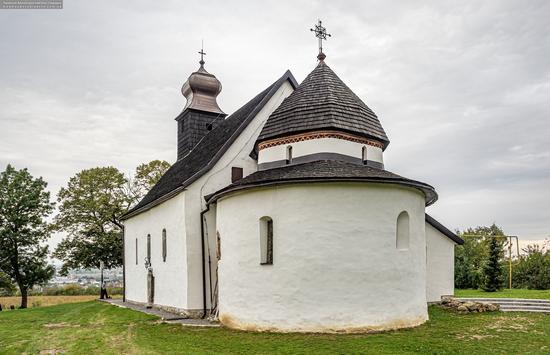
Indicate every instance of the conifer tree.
{"type": "Point", "coordinates": [492, 270]}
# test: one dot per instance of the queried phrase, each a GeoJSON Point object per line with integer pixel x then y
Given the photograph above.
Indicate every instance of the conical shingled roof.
{"type": "Point", "coordinates": [323, 101]}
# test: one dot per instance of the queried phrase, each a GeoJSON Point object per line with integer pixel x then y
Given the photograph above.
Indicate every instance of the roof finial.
{"type": "Point", "coordinates": [202, 53]}
{"type": "Point", "coordinates": [321, 33]}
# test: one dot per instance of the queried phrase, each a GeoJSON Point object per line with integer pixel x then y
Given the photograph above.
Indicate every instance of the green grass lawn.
{"type": "Point", "coordinates": [97, 328]}
{"type": "Point", "coordinates": [513, 293]}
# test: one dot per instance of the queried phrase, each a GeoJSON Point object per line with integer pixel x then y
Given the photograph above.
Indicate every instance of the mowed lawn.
{"type": "Point", "coordinates": [98, 328]}
{"type": "Point", "coordinates": [507, 293]}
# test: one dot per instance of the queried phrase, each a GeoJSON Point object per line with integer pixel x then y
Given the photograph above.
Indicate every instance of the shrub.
{"type": "Point", "coordinates": [532, 269]}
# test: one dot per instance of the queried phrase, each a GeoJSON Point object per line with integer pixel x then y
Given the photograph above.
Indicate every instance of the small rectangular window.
{"type": "Point", "coordinates": [136, 251]}
{"type": "Point", "coordinates": [236, 174]}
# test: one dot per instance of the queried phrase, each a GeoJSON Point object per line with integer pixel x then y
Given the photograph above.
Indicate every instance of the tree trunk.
{"type": "Point", "coordinates": [24, 296]}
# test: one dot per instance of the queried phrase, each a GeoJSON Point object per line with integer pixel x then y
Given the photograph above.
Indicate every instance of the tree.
{"type": "Point", "coordinates": [6, 285]}
{"type": "Point", "coordinates": [470, 258]}
{"type": "Point", "coordinates": [492, 270]}
{"type": "Point", "coordinates": [24, 205]}
{"type": "Point", "coordinates": [89, 212]}
{"type": "Point", "coordinates": [90, 209]}
{"type": "Point", "coordinates": [146, 176]}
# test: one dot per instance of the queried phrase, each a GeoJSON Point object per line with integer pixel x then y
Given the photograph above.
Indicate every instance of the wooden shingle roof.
{"type": "Point", "coordinates": [324, 171]}
{"type": "Point", "coordinates": [208, 151]}
{"type": "Point", "coordinates": [323, 101]}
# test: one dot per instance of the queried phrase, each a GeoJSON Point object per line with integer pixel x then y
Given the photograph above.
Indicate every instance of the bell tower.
{"type": "Point", "coordinates": [201, 114]}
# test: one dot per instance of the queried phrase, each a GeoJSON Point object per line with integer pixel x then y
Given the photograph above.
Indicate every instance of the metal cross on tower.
{"type": "Point", "coordinates": [202, 53]}
{"type": "Point", "coordinates": [321, 33]}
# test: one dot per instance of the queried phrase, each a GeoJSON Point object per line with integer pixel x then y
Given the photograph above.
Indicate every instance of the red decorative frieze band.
{"type": "Point", "coordinates": [316, 135]}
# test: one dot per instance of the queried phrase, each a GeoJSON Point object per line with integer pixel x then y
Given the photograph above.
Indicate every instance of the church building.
{"type": "Point", "coordinates": [283, 217]}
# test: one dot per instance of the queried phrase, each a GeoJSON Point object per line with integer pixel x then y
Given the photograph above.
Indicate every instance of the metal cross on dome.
{"type": "Point", "coordinates": [321, 33]}
{"type": "Point", "coordinates": [202, 53]}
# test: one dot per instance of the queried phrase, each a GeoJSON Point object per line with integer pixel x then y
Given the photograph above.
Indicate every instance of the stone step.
{"type": "Point", "coordinates": [524, 306]}
{"type": "Point", "coordinates": [504, 300]}
{"type": "Point", "coordinates": [525, 310]}
{"type": "Point", "coordinates": [515, 304]}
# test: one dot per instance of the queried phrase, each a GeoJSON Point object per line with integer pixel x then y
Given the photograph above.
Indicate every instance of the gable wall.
{"type": "Point", "coordinates": [439, 264]}
{"type": "Point", "coordinates": [217, 178]}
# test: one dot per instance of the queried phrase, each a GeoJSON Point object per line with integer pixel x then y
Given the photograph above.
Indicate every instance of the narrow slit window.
{"type": "Point", "coordinates": [402, 232]}
{"type": "Point", "coordinates": [236, 174]}
{"type": "Point", "coordinates": [136, 251]}
{"type": "Point", "coordinates": [364, 154]}
{"type": "Point", "coordinates": [218, 246]}
{"type": "Point", "coordinates": [164, 245]}
{"type": "Point", "coordinates": [289, 154]}
{"type": "Point", "coordinates": [149, 248]}
{"type": "Point", "coordinates": [266, 241]}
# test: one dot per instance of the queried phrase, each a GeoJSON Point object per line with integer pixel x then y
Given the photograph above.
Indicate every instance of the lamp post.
{"type": "Point", "coordinates": [101, 292]}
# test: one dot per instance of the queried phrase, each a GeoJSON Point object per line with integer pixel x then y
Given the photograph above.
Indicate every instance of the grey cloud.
{"type": "Point", "coordinates": [461, 87]}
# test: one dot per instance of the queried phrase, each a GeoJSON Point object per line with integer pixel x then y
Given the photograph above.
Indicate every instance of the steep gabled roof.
{"type": "Point", "coordinates": [323, 101]}
{"type": "Point", "coordinates": [208, 151]}
{"type": "Point", "coordinates": [324, 171]}
{"type": "Point", "coordinates": [443, 230]}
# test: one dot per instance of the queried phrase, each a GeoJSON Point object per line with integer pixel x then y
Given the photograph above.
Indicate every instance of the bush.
{"type": "Point", "coordinates": [532, 269]}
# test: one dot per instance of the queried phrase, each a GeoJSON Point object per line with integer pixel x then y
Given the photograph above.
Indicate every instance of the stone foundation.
{"type": "Point", "coordinates": [189, 313]}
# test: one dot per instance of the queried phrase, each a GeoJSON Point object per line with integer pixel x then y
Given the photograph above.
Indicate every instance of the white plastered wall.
{"type": "Point", "coordinates": [170, 276]}
{"type": "Point", "coordinates": [336, 265]}
{"type": "Point", "coordinates": [320, 145]}
{"type": "Point", "coordinates": [217, 178]}
{"type": "Point", "coordinates": [439, 264]}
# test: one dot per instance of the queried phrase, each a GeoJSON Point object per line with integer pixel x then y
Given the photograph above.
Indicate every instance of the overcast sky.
{"type": "Point", "coordinates": [462, 88]}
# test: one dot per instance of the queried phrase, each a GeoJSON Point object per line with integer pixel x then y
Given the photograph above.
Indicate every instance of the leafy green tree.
{"type": "Point", "coordinates": [492, 270]}
{"type": "Point", "coordinates": [90, 208]}
{"type": "Point", "coordinates": [89, 212]}
{"type": "Point", "coordinates": [6, 285]}
{"type": "Point", "coordinates": [24, 205]}
{"type": "Point", "coordinates": [470, 258]}
{"type": "Point", "coordinates": [146, 176]}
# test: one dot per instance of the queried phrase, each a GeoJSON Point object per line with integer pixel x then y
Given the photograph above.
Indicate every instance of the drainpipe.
{"type": "Point", "coordinates": [203, 263]}
{"type": "Point", "coordinates": [123, 264]}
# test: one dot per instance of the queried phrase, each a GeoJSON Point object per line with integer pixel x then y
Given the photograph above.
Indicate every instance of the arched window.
{"type": "Point", "coordinates": [288, 154]}
{"type": "Point", "coordinates": [164, 245]}
{"type": "Point", "coordinates": [364, 154]}
{"type": "Point", "coordinates": [149, 248]}
{"type": "Point", "coordinates": [136, 251]}
{"type": "Point", "coordinates": [402, 233]}
{"type": "Point", "coordinates": [266, 241]}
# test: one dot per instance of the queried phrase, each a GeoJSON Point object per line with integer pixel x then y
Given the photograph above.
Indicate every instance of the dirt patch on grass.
{"type": "Point", "coordinates": [516, 324]}
{"type": "Point", "coordinates": [60, 325]}
{"type": "Point", "coordinates": [474, 336]}
{"type": "Point", "coordinates": [51, 351]}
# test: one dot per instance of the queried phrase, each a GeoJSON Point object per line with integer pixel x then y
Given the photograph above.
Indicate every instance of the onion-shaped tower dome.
{"type": "Point", "coordinates": [201, 90]}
